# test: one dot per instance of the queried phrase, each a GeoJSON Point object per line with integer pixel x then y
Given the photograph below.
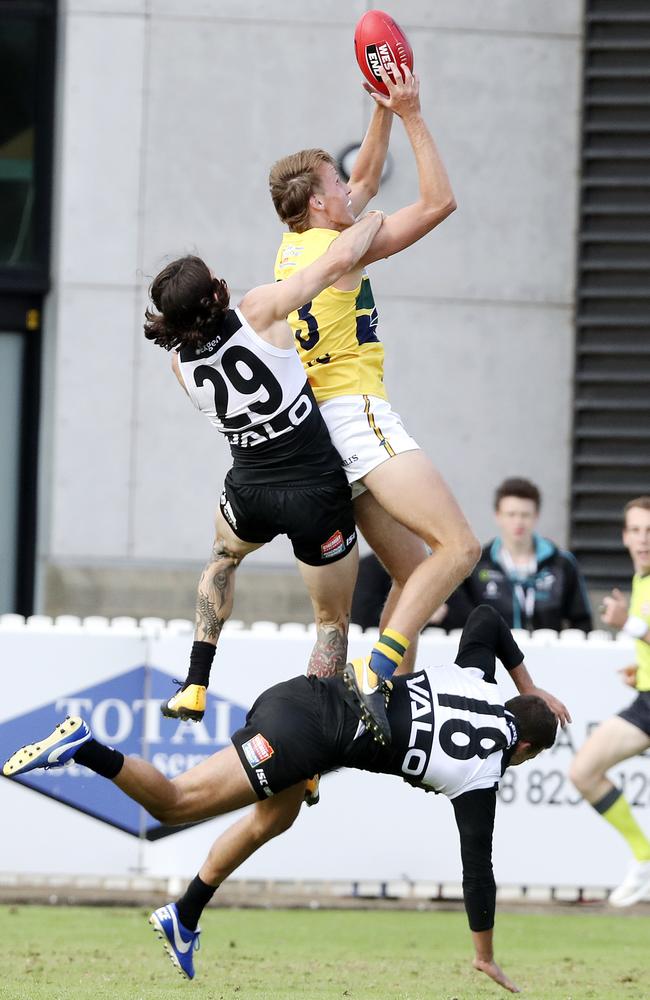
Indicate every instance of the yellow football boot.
{"type": "Point", "coordinates": [187, 703]}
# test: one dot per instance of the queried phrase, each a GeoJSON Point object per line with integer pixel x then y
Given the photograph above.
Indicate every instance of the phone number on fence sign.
{"type": "Point", "coordinates": [554, 788]}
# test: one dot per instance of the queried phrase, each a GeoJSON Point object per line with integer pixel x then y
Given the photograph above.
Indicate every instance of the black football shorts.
{"type": "Point", "coordinates": [317, 518]}
{"type": "Point", "coordinates": [638, 713]}
{"type": "Point", "coordinates": [284, 740]}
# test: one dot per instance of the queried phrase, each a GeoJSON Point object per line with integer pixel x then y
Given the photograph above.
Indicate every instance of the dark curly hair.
{"type": "Point", "coordinates": [191, 304]}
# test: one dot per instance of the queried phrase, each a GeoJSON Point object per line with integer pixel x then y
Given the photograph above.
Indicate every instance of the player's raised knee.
{"type": "Point", "coordinates": [585, 776]}
{"type": "Point", "coordinates": [174, 812]}
{"type": "Point", "coordinates": [459, 541]}
{"type": "Point", "coordinates": [468, 550]}
{"type": "Point", "coordinates": [270, 823]}
{"type": "Point", "coordinates": [330, 618]}
{"type": "Point", "coordinates": [581, 775]}
{"type": "Point", "coordinates": [167, 815]}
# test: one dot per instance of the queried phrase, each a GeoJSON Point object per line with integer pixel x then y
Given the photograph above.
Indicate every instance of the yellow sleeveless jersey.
{"type": "Point", "coordinates": [336, 333]}
{"type": "Point", "coordinates": [640, 607]}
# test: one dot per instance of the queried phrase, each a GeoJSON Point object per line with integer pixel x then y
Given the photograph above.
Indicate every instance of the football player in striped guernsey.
{"type": "Point", "coordinates": [240, 369]}
{"type": "Point", "coordinates": [452, 734]}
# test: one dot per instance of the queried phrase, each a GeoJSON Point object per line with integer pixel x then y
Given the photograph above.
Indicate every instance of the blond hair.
{"type": "Point", "coordinates": [292, 181]}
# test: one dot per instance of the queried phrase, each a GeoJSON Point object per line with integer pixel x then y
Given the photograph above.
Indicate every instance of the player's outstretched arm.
{"type": "Point", "coordinates": [266, 304]}
{"type": "Point", "coordinates": [525, 685]}
{"type": "Point", "coordinates": [436, 199]}
{"type": "Point", "coordinates": [486, 626]}
{"type": "Point", "coordinates": [366, 173]}
{"type": "Point", "coordinates": [484, 961]}
{"type": "Point", "coordinates": [474, 813]}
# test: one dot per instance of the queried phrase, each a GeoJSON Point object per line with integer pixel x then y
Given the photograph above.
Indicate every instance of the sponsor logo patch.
{"type": "Point", "coordinates": [419, 748]}
{"type": "Point", "coordinates": [513, 735]}
{"type": "Point", "coordinates": [257, 750]}
{"type": "Point", "coordinates": [208, 348]}
{"type": "Point", "coordinates": [333, 546]}
{"type": "Point", "coordinates": [289, 253]}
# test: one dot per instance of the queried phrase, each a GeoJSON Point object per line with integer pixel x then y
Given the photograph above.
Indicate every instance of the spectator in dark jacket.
{"type": "Point", "coordinates": [527, 578]}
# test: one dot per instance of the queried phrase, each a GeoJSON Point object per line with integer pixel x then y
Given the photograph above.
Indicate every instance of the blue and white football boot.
{"type": "Point", "coordinates": [179, 943]}
{"type": "Point", "coordinates": [54, 751]}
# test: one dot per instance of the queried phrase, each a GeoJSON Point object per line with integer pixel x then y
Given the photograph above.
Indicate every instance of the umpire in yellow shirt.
{"type": "Point", "coordinates": [628, 733]}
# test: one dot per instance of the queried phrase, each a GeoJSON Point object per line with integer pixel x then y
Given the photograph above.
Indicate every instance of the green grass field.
{"type": "Point", "coordinates": [73, 953]}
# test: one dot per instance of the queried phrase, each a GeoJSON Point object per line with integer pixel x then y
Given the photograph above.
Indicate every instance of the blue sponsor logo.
{"type": "Point", "coordinates": [123, 712]}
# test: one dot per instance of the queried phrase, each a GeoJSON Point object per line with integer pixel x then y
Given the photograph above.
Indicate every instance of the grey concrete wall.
{"type": "Point", "coordinates": [170, 113]}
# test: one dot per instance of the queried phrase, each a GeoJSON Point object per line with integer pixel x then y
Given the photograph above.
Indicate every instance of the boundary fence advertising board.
{"type": "Point", "coordinates": [366, 826]}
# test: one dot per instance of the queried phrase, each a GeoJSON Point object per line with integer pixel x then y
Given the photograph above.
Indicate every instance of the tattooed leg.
{"type": "Point", "coordinates": [214, 599]}
{"type": "Point", "coordinates": [213, 608]}
{"type": "Point", "coordinates": [330, 589]}
{"type": "Point", "coordinates": [330, 650]}
{"type": "Point", "coordinates": [215, 593]}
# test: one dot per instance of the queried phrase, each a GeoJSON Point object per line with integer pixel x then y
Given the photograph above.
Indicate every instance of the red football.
{"type": "Point", "coordinates": [379, 40]}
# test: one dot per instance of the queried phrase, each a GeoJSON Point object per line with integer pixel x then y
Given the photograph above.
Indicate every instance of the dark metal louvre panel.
{"type": "Point", "coordinates": [611, 432]}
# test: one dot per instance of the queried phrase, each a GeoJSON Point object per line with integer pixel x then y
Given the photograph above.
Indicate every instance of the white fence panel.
{"type": "Point", "coordinates": [366, 827]}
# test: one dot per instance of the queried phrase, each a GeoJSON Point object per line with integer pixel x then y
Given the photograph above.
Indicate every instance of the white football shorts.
{"type": "Point", "coordinates": [365, 431]}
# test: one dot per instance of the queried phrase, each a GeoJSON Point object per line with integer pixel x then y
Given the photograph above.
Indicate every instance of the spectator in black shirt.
{"type": "Point", "coordinates": [527, 578]}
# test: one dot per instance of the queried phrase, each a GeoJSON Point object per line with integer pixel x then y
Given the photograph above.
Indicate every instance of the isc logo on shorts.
{"type": "Point", "coordinates": [261, 777]}
{"type": "Point", "coordinates": [257, 750]}
{"type": "Point", "coordinates": [334, 546]}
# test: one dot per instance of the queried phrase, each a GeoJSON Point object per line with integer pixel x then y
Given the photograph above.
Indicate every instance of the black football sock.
{"type": "Point", "coordinates": [103, 760]}
{"type": "Point", "coordinates": [192, 904]}
{"type": "Point", "coordinates": [201, 659]}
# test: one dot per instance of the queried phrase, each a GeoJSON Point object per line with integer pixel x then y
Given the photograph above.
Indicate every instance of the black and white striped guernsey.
{"type": "Point", "coordinates": [257, 396]}
{"type": "Point", "coordinates": [450, 732]}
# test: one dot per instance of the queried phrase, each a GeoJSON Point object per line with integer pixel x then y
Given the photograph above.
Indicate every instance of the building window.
{"type": "Point", "coordinates": [26, 85]}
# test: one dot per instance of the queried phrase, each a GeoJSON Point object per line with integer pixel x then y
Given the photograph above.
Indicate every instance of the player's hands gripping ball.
{"type": "Point", "coordinates": [380, 44]}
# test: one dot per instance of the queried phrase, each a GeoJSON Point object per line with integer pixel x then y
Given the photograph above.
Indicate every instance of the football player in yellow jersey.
{"type": "Point", "coordinates": [628, 733]}
{"type": "Point", "coordinates": [402, 503]}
